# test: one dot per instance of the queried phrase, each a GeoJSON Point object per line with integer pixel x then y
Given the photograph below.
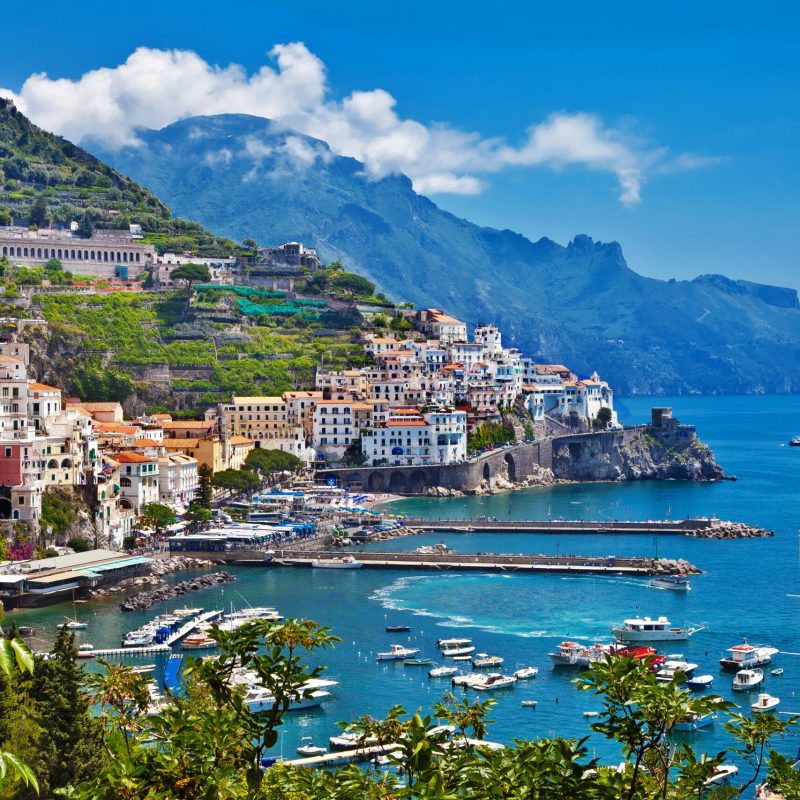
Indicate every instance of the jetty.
{"type": "Point", "coordinates": [703, 527]}
{"type": "Point", "coordinates": [498, 562]}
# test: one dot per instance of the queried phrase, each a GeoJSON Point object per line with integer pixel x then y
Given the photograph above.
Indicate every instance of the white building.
{"type": "Point", "coordinates": [177, 480]}
{"type": "Point", "coordinates": [138, 480]}
{"type": "Point", "coordinates": [334, 427]}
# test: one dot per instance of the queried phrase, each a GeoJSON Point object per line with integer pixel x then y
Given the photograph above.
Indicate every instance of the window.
{"type": "Point", "coordinates": [21, 501]}
{"type": "Point", "coordinates": [8, 452]}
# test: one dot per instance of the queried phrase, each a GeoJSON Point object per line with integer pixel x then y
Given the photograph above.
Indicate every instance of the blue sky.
{"type": "Point", "coordinates": [698, 100]}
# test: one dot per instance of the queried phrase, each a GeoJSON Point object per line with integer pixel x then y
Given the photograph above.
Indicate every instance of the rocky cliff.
{"type": "Point", "coordinates": [645, 453]}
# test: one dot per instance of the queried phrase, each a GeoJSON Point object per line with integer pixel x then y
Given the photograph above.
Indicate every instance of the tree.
{"type": "Point", "coordinates": [54, 264]}
{"type": "Point", "coordinates": [197, 514]}
{"type": "Point", "coordinates": [5, 217]}
{"type": "Point", "coordinates": [38, 214]}
{"type": "Point", "coordinates": [269, 462]}
{"type": "Point", "coordinates": [352, 285]}
{"type": "Point", "coordinates": [236, 481]}
{"type": "Point", "coordinates": [250, 244]}
{"type": "Point", "coordinates": [86, 226]}
{"type": "Point", "coordinates": [602, 418]}
{"type": "Point", "coordinates": [204, 487]}
{"type": "Point", "coordinates": [191, 273]}
{"type": "Point", "coordinates": [156, 516]}
{"type": "Point", "coordinates": [400, 324]}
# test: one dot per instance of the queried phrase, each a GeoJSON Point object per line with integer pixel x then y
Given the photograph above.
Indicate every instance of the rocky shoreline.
{"type": "Point", "coordinates": [720, 529]}
{"type": "Point", "coordinates": [158, 568]}
{"type": "Point", "coordinates": [145, 600]}
{"type": "Point", "coordinates": [675, 566]}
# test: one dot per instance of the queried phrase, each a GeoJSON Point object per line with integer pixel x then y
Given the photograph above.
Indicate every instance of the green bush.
{"type": "Point", "coordinates": [79, 544]}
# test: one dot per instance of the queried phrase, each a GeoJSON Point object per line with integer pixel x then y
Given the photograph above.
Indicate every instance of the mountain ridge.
{"type": "Point", "coordinates": [580, 303]}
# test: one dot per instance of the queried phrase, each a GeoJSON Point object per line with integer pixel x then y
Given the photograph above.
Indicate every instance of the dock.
{"type": "Point", "coordinates": [132, 651]}
{"type": "Point", "coordinates": [486, 562]}
{"type": "Point", "coordinates": [189, 626]}
{"type": "Point", "coordinates": [682, 527]}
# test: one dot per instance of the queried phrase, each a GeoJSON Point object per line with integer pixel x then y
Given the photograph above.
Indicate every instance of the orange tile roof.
{"type": "Point", "coordinates": [147, 443]}
{"type": "Point", "coordinates": [186, 425]}
{"type": "Point", "coordinates": [131, 458]}
{"type": "Point", "coordinates": [406, 423]}
{"type": "Point", "coordinates": [240, 440]}
{"type": "Point", "coordinates": [115, 427]}
{"type": "Point", "coordinates": [43, 387]}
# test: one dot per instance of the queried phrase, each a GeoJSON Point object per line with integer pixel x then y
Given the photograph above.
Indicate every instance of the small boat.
{"type": "Point", "coordinates": [677, 583]}
{"type": "Point", "coordinates": [722, 774]}
{"type": "Point", "coordinates": [530, 703]}
{"type": "Point", "coordinates": [700, 682]}
{"type": "Point", "coordinates": [746, 656]}
{"type": "Point", "coordinates": [669, 669]}
{"type": "Point", "coordinates": [493, 681]}
{"type": "Point", "coordinates": [85, 651]}
{"type": "Point", "coordinates": [462, 658]}
{"type": "Point", "coordinates": [346, 562]}
{"type": "Point", "coordinates": [198, 641]}
{"type": "Point", "coordinates": [417, 662]}
{"type": "Point", "coordinates": [398, 652]}
{"type": "Point", "coordinates": [747, 679]}
{"type": "Point", "coordinates": [766, 702]}
{"type": "Point", "coordinates": [458, 651]}
{"type": "Point", "coordinates": [442, 672]}
{"type": "Point", "coordinates": [777, 672]}
{"type": "Point", "coordinates": [73, 624]}
{"type": "Point", "coordinates": [485, 660]}
{"type": "Point", "coordinates": [694, 722]}
{"type": "Point", "coordinates": [590, 714]}
{"type": "Point", "coordinates": [794, 441]}
{"type": "Point", "coordinates": [310, 749]}
{"type": "Point", "coordinates": [567, 654]}
{"type": "Point", "coordinates": [645, 629]}
{"type": "Point", "coordinates": [447, 644]}
{"type": "Point", "coordinates": [348, 740]}
{"type": "Point", "coordinates": [468, 678]}
{"type": "Point", "coordinates": [398, 628]}
{"type": "Point", "coordinates": [526, 673]}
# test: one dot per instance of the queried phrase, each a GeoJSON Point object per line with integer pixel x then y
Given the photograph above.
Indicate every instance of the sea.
{"type": "Point", "coordinates": [749, 588]}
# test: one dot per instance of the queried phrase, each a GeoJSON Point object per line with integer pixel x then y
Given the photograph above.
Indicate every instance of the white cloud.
{"type": "Point", "coordinates": [154, 88]}
{"type": "Point", "coordinates": [213, 159]}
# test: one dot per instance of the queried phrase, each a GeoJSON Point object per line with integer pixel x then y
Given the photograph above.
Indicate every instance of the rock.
{"type": "Point", "coordinates": [145, 600]}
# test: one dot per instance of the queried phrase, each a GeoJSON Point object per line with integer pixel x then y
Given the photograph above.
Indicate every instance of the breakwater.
{"type": "Point", "coordinates": [702, 528]}
{"type": "Point", "coordinates": [145, 600]}
{"type": "Point", "coordinates": [501, 562]}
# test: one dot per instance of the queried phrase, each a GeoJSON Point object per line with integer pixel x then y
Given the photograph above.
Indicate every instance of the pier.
{"type": "Point", "coordinates": [492, 562]}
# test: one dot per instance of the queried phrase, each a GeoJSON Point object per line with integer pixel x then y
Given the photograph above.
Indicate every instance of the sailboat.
{"type": "Point", "coordinates": [72, 623]}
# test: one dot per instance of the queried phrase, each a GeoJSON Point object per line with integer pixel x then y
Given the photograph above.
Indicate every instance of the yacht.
{"type": "Point", "coordinates": [259, 698]}
{"type": "Point", "coordinates": [645, 629]}
{"type": "Point", "coordinates": [398, 652]}
{"type": "Point", "coordinates": [567, 654]}
{"type": "Point", "coordinates": [700, 682]}
{"type": "Point", "coordinates": [693, 722]}
{"type": "Point", "coordinates": [766, 702]}
{"type": "Point", "coordinates": [346, 562]}
{"type": "Point", "coordinates": [457, 651]}
{"type": "Point", "coordinates": [526, 673]}
{"type": "Point", "coordinates": [677, 583]}
{"type": "Point", "coordinates": [485, 660]}
{"type": "Point", "coordinates": [746, 656]}
{"type": "Point", "coordinates": [747, 679]}
{"type": "Point", "coordinates": [442, 672]}
{"type": "Point", "coordinates": [494, 681]}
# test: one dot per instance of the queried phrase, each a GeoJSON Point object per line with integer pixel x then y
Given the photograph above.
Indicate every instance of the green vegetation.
{"type": "Point", "coordinates": [79, 544]}
{"type": "Point", "coordinates": [602, 418]}
{"type": "Point", "coordinates": [236, 481]}
{"type": "Point", "coordinates": [156, 516]}
{"type": "Point", "coordinates": [59, 509]}
{"type": "Point", "coordinates": [270, 462]}
{"type": "Point", "coordinates": [490, 434]}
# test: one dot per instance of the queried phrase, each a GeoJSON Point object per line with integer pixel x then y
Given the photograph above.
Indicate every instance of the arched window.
{"type": "Point", "coordinates": [15, 514]}
{"type": "Point", "coordinates": [125, 257]}
{"type": "Point", "coordinates": [52, 464]}
{"type": "Point", "coordinates": [40, 252]}
{"type": "Point", "coordinates": [126, 482]}
{"type": "Point", "coordinates": [25, 252]}
{"type": "Point", "coordinates": [66, 463]}
{"type": "Point", "coordinates": [46, 253]}
{"type": "Point", "coordinates": [105, 255]}
{"type": "Point", "coordinates": [73, 255]}
{"type": "Point", "coordinates": [5, 251]}
{"type": "Point", "coordinates": [79, 255]}
{"type": "Point", "coordinates": [92, 255]}
{"type": "Point", "coordinates": [86, 255]}
{"type": "Point", "coordinates": [137, 258]}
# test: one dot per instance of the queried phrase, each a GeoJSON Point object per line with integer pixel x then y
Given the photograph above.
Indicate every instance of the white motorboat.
{"type": "Point", "coordinates": [346, 562]}
{"type": "Point", "coordinates": [261, 699]}
{"type": "Point", "coordinates": [645, 629]}
{"type": "Point", "coordinates": [462, 658]}
{"type": "Point", "coordinates": [700, 682]}
{"type": "Point", "coordinates": [442, 672]}
{"type": "Point", "coordinates": [747, 679]}
{"type": "Point", "coordinates": [308, 748]}
{"type": "Point", "coordinates": [398, 652]}
{"type": "Point", "coordinates": [567, 654]}
{"type": "Point", "coordinates": [593, 654]}
{"type": "Point", "coordinates": [349, 740]}
{"type": "Point", "coordinates": [526, 673]}
{"type": "Point", "coordinates": [530, 703]}
{"type": "Point", "coordinates": [482, 660]}
{"type": "Point", "coordinates": [694, 722]}
{"type": "Point", "coordinates": [677, 583]}
{"type": "Point", "coordinates": [722, 774]}
{"type": "Point", "coordinates": [669, 668]}
{"type": "Point", "coordinates": [468, 678]}
{"type": "Point", "coordinates": [747, 656]}
{"type": "Point", "coordinates": [85, 650]}
{"type": "Point", "coordinates": [447, 644]}
{"type": "Point", "coordinates": [458, 651]}
{"type": "Point", "coordinates": [494, 681]}
{"type": "Point", "coordinates": [766, 702]}
{"type": "Point", "coordinates": [73, 624]}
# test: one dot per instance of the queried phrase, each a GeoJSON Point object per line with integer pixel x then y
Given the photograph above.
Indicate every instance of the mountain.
{"type": "Point", "coordinates": [580, 304]}
{"type": "Point", "coordinates": [36, 165]}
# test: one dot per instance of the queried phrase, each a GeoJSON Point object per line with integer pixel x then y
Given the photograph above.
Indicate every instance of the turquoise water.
{"type": "Point", "coordinates": [744, 591]}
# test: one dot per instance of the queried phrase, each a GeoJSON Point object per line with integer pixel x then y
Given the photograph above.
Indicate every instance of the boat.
{"type": "Point", "coordinates": [700, 682]}
{"type": "Point", "coordinates": [669, 669]}
{"type": "Point", "coordinates": [468, 678]}
{"type": "Point", "coordinates": [462, 658]}
{"type": "Point", "coordinates": [677, 583]}
{"type": "Point", "coordinates": [447, 644]}
{"type": "Point", "coordinates": [398, 628]}
{"type": "Point", "coordinates": [198, 641]}
{"type": "Point", "coordinates": [485, 660]}
{"type": "Point", "coordinates": [526, 673]}
{"type": "Point", "coordinates": [794, 441]}
{"type": "Point", "coordinates": [85, 651]}
{"type": "Point", "coordinates": [694, 722]}
{"type": "Point", "coordinates": [310, 749]}
{"type": "Point", "coordinates": [259, 698]}
{"type": "Point", "coordinates": [442, 672]}
{"type": "Point", "coordinates": [567, 654]}
{"type": "Point", "coordinates": [530, 703]}
{"type": "Point", "coordinates": [73, 624]}
{"type": "Point", "coordinates": [346, 562]}
{"type": "Point", "coordinates": [766, 702]}
{"type": "Point", "coordinates": [593, 654]}
{"type": "Point", "coordinates": [722, 774]}
{"type": "Point", "coordinates": [417, 662]}
{"type": "Point", "coordinates": [746, 656]}
{"type": "Point", "coordinates": [458, 651]}
{"type": "Point", "coordinates": [493, 681]}
{"type": "Point", "coordinates": [348, 740]}
{"type": "Point", "coordinates": [590, 714]}
{"type": "Point", "coordinates": [777, 672]}
{"type": "Point", "coordinates": [747, 679]}
{"type": "Point", "coordinates": [398, 652]}
{"type": "Point", "coordinates": [645, 629]}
